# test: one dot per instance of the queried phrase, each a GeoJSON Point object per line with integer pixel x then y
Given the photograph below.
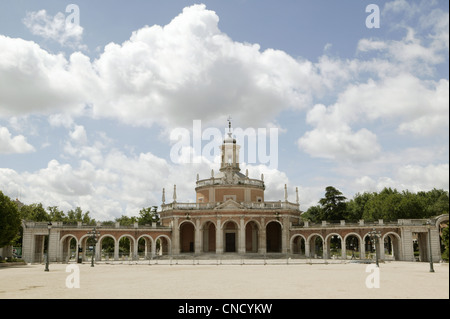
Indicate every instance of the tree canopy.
{"type": "Point", "coordinates": [147, 216]}
{"type": "Point", "coordinates": [9, 220]}
{"type": "Point", "coordinates": [333, 205]}
{"type": "Point", "coordinates": [388, 204]}
{"type": "Point", "coordinates": [37, 213]}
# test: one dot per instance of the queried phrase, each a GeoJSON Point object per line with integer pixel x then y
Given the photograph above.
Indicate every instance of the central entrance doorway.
{"type": "Point", "coordinates": [230, 242]}
{"type": "Point", "coordinates": [230, 237]}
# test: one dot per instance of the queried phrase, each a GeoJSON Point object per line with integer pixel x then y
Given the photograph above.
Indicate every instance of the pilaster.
{"type": "Point", "coordinates": [241, 247]}
{"type": "Point", "coordinates": [175, 237]}
{"type": "Point", "coordinates": [219, 237]}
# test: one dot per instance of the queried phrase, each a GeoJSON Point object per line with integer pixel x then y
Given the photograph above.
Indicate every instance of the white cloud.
{"type": "Point", "coordinates": [410, 52]}
{"type": "Point", "coordinates": [414, 178]}
{"type": "Point", "coordinates": [342, 144]}
{"type": "Point", "coordinates": [334, 139]}
{"type": "Point", "coordinates": [52, 84]}
{"type": "Point", "coordinates": [401, 6]}
{"type": "Point", "coordinates": [365, 45]}
{"type": "Point", "coordinates": [12, 145]}
{"type": "Point", "coordinates": [58, 119]}
{"type": "Point", "coordinates": [162, 75]}
{"type": "Point", "coordinates": [426, 42]}
{"type": "Point", "coordinates": [79, 134]}
{"type": "Point", "coordinates": [419, 107]}
{"type": "Point", "coordinates": [274, 180]}
{"type": "Point", "coordinates": [172, 74]}
{"type": "Point", "coordinates": [389, 87]}
{"type": "Point", "coordinates": [189, 69]}
{"type": "Point", "coordinates": [402, 97]}
{"type": "Point", "coordinates": [55, 28]}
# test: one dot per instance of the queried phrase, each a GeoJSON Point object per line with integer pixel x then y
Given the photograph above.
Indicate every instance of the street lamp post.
{"type": "Point", "coordinates": [49, 226]}
{"type": "Point", "coordinates": [374, 236]}
{"type": "Point", "coordinates": [94, 234]}
{"type": "Point", "coordinates": [429, 245]}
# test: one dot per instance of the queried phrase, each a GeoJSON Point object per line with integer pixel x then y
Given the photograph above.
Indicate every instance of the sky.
{"type": "Point", "coordinates": [94, 93]}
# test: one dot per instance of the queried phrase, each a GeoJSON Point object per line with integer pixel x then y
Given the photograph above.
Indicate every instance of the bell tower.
{"type": "Point", "coordinates": [230, 152]}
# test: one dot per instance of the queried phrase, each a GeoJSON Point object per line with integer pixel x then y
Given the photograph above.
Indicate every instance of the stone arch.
{"type": "Point", "coordinates": [254, 221]}
{"type": "Point", "coordinates": [272, 221]}
{"type": "Point", "coordinates": [333, 243]}
{"type": "Point", "coordinates": [369, 246]}
{"type": "Point", "coordinates": [186, 221]}
{"type": "Point", "coordinates": [274, 236]}
{"type": "Point", "coordinates": [85, 243]}
{"type": "Point", "coordinates": [209, 230]}
{"type": "Point", "coordinates": [231, 220]}
{"type": "Point", "coordinates": [392, 248]}
{"type": "Point", "coordinates": [298, 244]}
{"type": "Point", "coordinates": [145, 246]}
{"type": "Point", "coordinates": [124, 247]}
{"type": "Point", "coordinates": [230, 230]}
{"type": "Point", "coordinates": [315, 242]}
{"type": "Point", "coordinates": [187, 236]}
{"type": "Point", "coordinates": [107, 253]}
{"type": "Point", "coordinates": [353, 246]}
{"type": "Point", "coordinates": [163, 245]}
{"type": "Point", "coordinates": [208, 221]}
{"type": "Point", "coordinates": [252, 231]}
{"type": "Point", "coordinates": [67, 249]}
{"type": "Point", "coordinates": [442, 221]}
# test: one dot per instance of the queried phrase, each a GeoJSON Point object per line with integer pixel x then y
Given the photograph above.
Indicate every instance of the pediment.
{"type": "Point", "coordinates": [230, 204]}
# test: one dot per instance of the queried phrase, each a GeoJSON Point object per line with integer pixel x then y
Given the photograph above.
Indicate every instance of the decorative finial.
{"type": "Point", "coordinates": [285, 193]}
{"type": "Point", "coordinates": [198, 177]}
{"type": "Point", "coordinates": [212, 173]}
{"type": "Point", "coordinates": [246, 172]}
{"type": "Point", "coordinates": [296, 195]}
{"type": "Point", "coordinates": [174, 193]}
{"type": "Point", "coordinates": [229, 124]}
{"type": "Point", "coordinates": [262, 176]}
{"type": "Point", "coordinates": [164, 196]}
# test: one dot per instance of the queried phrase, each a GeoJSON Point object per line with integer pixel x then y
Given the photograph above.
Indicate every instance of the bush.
{"type": "Point", "coordinates": [445, 241]}
{"type": "Point", "coordinates": [445, 255]}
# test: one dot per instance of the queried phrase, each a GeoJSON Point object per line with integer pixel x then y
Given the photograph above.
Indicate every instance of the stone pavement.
{"type": "Point", "coordinates": [225, 279]}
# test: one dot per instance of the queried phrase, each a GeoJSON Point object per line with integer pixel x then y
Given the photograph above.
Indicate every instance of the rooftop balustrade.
{"type": "Point", "coordinates": [247, 205]}
{"type": "Point", "coordinates": [219, 181]}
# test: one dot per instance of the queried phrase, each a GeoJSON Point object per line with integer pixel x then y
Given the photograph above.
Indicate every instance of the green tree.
{"type": "Point", "coordinates": [389, 205]}
{"type": "Point", "coordinates": [148, 215]}
{"type": "Point", "coordinates": [333, 204]}
{"type": "Point", "coordinates": [356, 206]}
{"type": "Point", "coordinates": [55, 214]}
{"type": "Point", "coordinates": [77, 215]}
{"type": "Point", "coordinates": [126, 220]}
{"type": "Point", "coordinates": [34, 212]}
{"type": "Point", "coordinates": [411, 206]}
{"type": "Point", "coordinates": [313, 214]}
{"type": "Point", "coordinates": [436, 202]}
{"type": "Point", "coordinates": [9, 220]}
{"type": "Point", "coordinates": [445, 242]}
{"type": "Point", "coordinates": [384, 205]}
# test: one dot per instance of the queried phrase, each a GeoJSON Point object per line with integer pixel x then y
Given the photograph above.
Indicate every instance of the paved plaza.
{"type": "Point", "coordinates": [228, 279]}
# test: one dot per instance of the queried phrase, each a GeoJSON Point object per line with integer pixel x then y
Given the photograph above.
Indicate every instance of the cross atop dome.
{"type": "Point", "coordinates": [229, 138]}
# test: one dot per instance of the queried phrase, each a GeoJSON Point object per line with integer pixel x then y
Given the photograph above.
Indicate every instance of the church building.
{"type": "Point", "coordinates": [230, 214]}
